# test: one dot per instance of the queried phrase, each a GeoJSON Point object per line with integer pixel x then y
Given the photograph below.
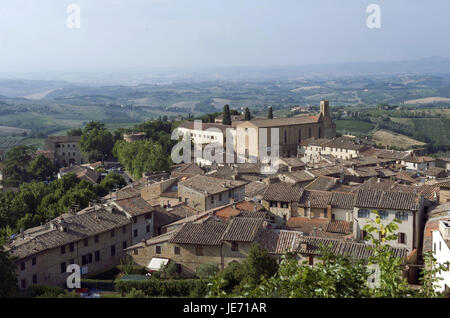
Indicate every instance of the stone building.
{"type": "Point", "coordinates": [408, 207]}
{"type": "Point", "coordinates": [205, 193]}
{"type": "Point", "coordinates": [196, 243]}
{"type": "Point", "coordinates": [64, 150]}
{"type": "Point", "coordinates": [93, 238]}
{"type": "Point", "coordinates": [291, 132]}
{"type": "Point", "coordinates": [444, 192]}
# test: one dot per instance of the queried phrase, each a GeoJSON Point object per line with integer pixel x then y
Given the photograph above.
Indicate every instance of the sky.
{"type": "Point", "coordinates": [34, 35]}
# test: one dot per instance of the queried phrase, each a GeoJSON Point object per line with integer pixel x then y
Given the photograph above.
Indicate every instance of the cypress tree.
{"type": "Point", "coordinates": [226, 115]}
{"type": "Point", "coordinates": [248, 116]}
{"type": "Point", "coordinates": [270, 114]}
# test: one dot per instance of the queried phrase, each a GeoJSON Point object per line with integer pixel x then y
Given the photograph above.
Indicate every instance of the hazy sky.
{"type": "Point", "coordinates": [173, 33]}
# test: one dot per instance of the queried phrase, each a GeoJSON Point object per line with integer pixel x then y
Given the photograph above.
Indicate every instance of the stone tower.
{"type": "Point", "coordinates": [327, 126]}
{"type": "Point", "coordinates": [324, 109]}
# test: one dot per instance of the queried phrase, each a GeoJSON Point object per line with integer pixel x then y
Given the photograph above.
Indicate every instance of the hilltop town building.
{"type": "Point", "coordinates": [64, 150]}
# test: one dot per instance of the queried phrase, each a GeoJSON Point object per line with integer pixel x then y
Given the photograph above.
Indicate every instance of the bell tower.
{"type": "Point", "coordinates": [324, 109]}
{"type": "Point", "coordinates": [328, 127]}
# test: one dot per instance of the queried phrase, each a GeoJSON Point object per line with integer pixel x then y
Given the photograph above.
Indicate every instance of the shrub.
{"type": "Point", "coordinates": [207, 270]}
{"type": "Point", "coordinates": [165, 288]}
{"type": "Point", "coordinates": [43, 291]}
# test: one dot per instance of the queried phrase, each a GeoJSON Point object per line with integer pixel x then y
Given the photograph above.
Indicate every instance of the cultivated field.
{"type": "Point", "coordinates": [388, 138]}
{"type": "Point", "coordinates": [428, 100]}
{"type": "Point", "coordinates": [6, 130]}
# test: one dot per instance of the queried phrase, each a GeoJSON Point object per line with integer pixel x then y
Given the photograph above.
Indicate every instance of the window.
{"type": "Point", "coordinates": [362, 234]}
{"type": "Point", "coordinates": [134, 219]}
{"type": "Point", "coordinates": [402, 238]}
{"type": "Point", "coordinates": [113, 251]}
{"type": "Point", "coordinates": [309, 132]}
{"type": "Point", "coordinates": [135, 233]}
{"type": "Point", "coordinates": [199, 250]}
{"type": "Point", "coordinates": [113, 233]}
{"type": "Point", "coordinates": [85, 259]}
{"type": "Point", "coordinates": [124, 229]}
{"type": "Point", "coordinates": [363, 213]}
{"type": "Point", "coordinates": [96, 238]}
{"type": "Point", "coordinates": [402, 216]}
{"type": "Point", "coordinates": [299, 135]}
{"type": "Point", "coordinates": [220, 196]}
{"type": "Point", "coordinates": [147, 228]}
{"type": "Point", "coordinates": [71, 247]}
{"type": "Point", "coordinates": [148, 216]}
{"type": "Point", "coordinates": [124, 245]}
{"type": "Point", "coordinates": [35, 279]}
{"type": "Point", "coordinates": [273, 204]}
{"type": "Point", "coordinates": [212, 200]}
{"type": "Point", "coordinates": [158, 249]}
{"type": "Point", "coordinates": [23, 283]}
{"type": "Point", "coordinates": [383, 214]}
{"type": "Point", "coordinates": [63, 267]}
{"type": "Point", "coordinates": [176, 250]}
{"type": "Point", "coordinates": [33, 261]}
{"type": "Point", "coordinates": [284, 205]}
{"type": "Point", "coordinates": [234, 246]}
{"type": "Point", "coordinates": [22, 266]}
{"type": "Point", "coordinates": [97, 256]}
{"type": "Point", "coordinates": [63, 249]}
{"type": "Point", "coordinates": [86, 242]}
{"type": "Point", "coordinates": [136, 251]}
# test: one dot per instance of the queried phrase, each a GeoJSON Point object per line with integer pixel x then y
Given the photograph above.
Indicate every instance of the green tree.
{"type": "Point", "coordinates": [110, 182]}
{"type": "Point", "coordinates": [270, 113]}
{"type": "Point", "coordinates": [16, 166]}
{"type": "Point", "coordinates": [8, 276]}
{"type": "Point", "coordinates": [429, 279]}
{"type": "Point", "coordinates": [206, 270]}
{"type": "Point", "coordinates": [226, 115]}
{"type": "Point", "coordinates": [75, 132]}
{"type": "Point", "coordinates": [42, 168]}
{"type": "Point", "coordinates": [392, 282]}
{"type": "Point", "coordinates": [96, 141]}
{"type": "Point", "coordinates": [258, 265]}
{"type": "Point", "coordinates": [248, 116]}
{"type": "Point", "coordinates": [141, 156]}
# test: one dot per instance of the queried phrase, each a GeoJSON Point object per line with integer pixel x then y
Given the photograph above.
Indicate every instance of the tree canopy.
{"type": "Point", "coordinates": [96, 141]}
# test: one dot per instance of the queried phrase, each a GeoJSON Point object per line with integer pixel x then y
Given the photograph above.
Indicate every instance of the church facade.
{"type": "Point", "coordinates": [291, 131]}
